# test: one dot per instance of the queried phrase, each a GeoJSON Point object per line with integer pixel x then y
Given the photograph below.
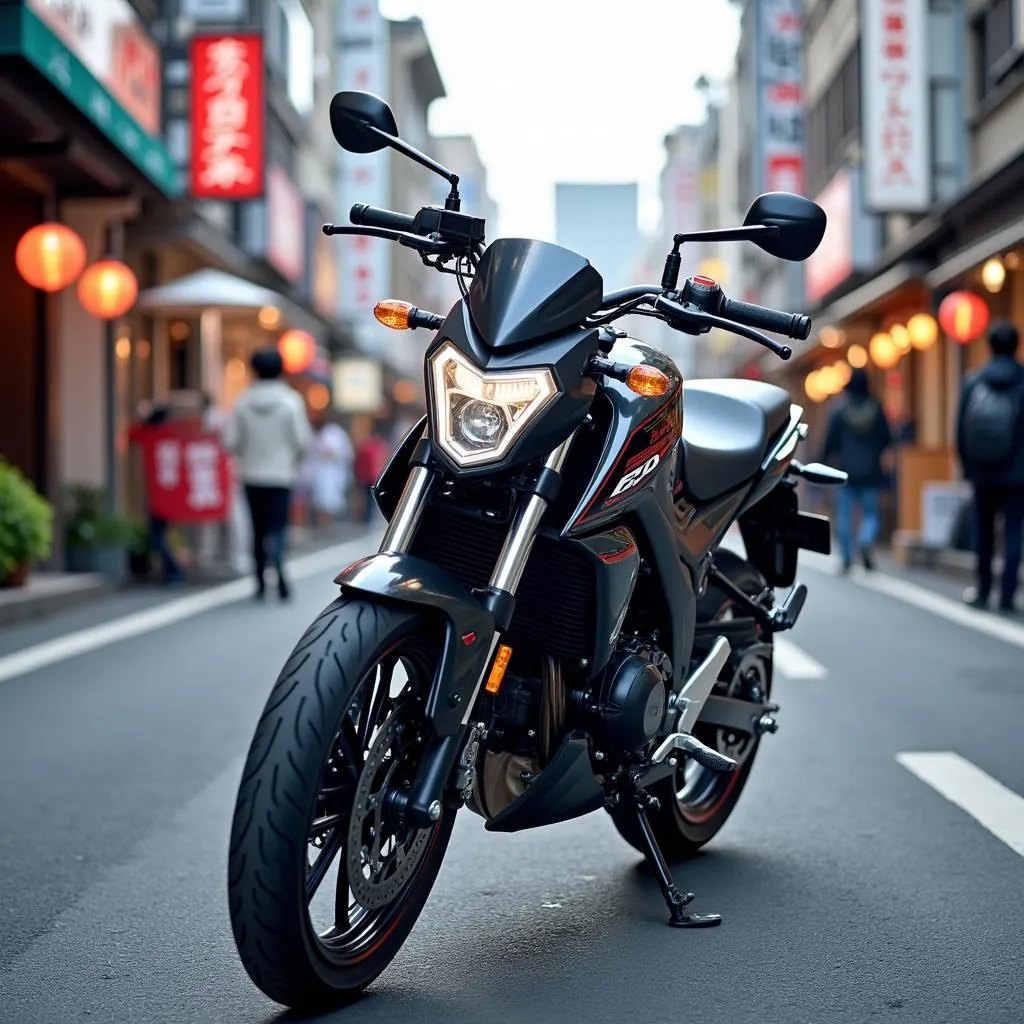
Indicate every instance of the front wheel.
{"type": "Point", "coordinates": [695, 802]}
{"type": "Point", "coordinates": [324, 883]}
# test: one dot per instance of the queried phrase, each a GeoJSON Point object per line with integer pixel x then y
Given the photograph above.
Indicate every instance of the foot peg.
{"type": "Point", "coordinates": [700, 752]}
{"type": "Point", "coordinates": [784, 617]}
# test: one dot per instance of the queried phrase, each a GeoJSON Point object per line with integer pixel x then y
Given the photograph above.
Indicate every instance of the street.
{"type": "Point", "coordinates": [852, 888]}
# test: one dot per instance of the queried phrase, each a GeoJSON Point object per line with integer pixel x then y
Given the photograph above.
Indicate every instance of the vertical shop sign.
{"type": "Point", "coordinates": [364, 263]}
{"type": "Point", "coordinates": [780, 93]}
{"type": "Point", "coordinates": [227, 117]}
{"type": "Point", "coordinates": [286, 225]}
{"type": "Point", "coordinates": [894, 106]}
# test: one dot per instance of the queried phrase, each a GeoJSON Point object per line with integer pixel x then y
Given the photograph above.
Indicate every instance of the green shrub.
{"type": "Point", "coordinates": [89, 525]}
{"type": "Point", "coordinates": [26, 521]}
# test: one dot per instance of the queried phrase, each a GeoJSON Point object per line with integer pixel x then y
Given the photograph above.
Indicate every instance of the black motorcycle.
{"type": "Point", "coordinates": [549, 626]}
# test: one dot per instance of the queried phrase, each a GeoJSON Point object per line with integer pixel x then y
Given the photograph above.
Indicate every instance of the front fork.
{"type": "Point", "coordinates": [424, 803]}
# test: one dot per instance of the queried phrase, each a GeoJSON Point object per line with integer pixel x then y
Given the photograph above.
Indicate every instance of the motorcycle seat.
{"type": "Point", "coordinates": [728, 426]}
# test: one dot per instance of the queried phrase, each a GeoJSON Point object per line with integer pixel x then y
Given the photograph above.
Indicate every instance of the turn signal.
{"type": "Point", "coordinates": [647, 380]}
{"type": "Point", "coordinates": [393, 313]}
{"type": "Point", "coordinates": [498, 669]}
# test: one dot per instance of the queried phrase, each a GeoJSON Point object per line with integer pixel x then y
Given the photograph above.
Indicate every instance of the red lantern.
{"type": "Point", "coordinates": [50, 256]}
{"type": "Point", "coordinates": [964, 316]}
{"type": "Point", "coordinates": [298, 350]}
{"type": "Point", "coordinates": [108, 289]}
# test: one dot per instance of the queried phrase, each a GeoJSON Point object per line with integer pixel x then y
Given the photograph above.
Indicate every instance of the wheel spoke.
{"type": "Point", "coordinates": [318, 870]}
{"type": "Point", "coordinates": [372, 708]}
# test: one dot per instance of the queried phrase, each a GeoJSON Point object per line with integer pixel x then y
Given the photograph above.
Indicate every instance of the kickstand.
{"type": "Point", "coordinates": [676, 900]}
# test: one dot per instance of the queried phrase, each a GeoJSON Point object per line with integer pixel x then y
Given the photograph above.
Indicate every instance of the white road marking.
{"type": "Point", "coordinates": [990, 803]}
{"type": "Point", "coordinates": [50, 652]}
{"type": "Point", "coordinates": [795, 663]}
{"type": "Point", "coordinates": [910, 593]}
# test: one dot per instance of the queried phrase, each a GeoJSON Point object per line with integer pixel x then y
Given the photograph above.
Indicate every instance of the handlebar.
{"type": "Point", "coordinates": [374, 217]}
{"type": "Point", "coordinates": [793, 325]}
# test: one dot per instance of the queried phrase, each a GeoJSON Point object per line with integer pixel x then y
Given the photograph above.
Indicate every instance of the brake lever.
{"type": "Point", "coordinates": [405, 238]}
{"type": "Point", "coordinates": [699, 317]}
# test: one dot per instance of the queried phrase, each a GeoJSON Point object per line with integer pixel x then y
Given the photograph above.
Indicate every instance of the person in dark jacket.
{"type": "Point", "coordinates": [990, 443]}
{"type": "Point", "coordinates": [858, 435]}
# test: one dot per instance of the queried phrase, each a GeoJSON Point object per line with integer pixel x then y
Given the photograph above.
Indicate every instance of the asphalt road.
{"type": "Point", "coordinates": [851, 889]}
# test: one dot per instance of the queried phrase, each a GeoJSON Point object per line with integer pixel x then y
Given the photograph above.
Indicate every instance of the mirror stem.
{"type": "Point", "coordinates": [421, 158]}
{"type": "Point", "coordinates": [747, 233]}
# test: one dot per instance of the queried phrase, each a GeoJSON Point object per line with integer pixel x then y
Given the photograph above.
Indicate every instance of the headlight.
{"type": "Point", "coordinates": [478, 415]}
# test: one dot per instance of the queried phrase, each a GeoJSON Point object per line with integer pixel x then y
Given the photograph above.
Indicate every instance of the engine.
{"type": "Point", "coordinates": [625, 711]}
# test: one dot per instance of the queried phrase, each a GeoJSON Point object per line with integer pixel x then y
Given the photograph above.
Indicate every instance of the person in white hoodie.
{"type": "Point", "coordinates": [269, 433]}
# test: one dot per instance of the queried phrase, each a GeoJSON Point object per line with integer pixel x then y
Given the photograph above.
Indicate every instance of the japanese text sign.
{"type": "Point", "coordinates": [780, 90]}
{"type": "Point", "coordinates": [188, 479]}
{"type": "Point", "coordinates": [894, 106]}
{"type": "Point", "coordinates": [227, 117]}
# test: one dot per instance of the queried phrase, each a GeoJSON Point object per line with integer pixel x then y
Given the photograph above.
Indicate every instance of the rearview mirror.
{"type": "Point", "coordinates": [801, 224]}
{"type": "Point", "coordinates": [362, 122]}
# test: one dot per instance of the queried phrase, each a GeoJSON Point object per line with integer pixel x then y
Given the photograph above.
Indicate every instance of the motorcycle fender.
{"type": "Point", "coordinates": [469, 626]}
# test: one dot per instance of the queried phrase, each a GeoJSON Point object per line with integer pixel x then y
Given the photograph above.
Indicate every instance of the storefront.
{"type": "Point", "coordinates": [80, 118]}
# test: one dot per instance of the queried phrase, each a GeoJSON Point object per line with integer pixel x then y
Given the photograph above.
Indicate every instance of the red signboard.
{"type": "Point", "coordinates": [227, 116]}
{"type": "Point", "coordinates": [188, 476]}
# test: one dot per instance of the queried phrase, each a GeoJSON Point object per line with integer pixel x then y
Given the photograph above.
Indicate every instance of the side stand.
{"type": "Point", "coordinates": [676, 900]}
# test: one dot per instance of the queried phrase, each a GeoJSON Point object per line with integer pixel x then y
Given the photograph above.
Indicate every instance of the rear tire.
{"type": "Point", "coordinates": [682, 829]}
{"type": "Point", "coordinates": [305, 733]}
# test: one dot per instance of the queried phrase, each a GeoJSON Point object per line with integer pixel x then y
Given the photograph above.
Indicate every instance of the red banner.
{"type": "Point", "coordinates": [188, 476]}
{"type": "Point", "coordinates": [227, 116]}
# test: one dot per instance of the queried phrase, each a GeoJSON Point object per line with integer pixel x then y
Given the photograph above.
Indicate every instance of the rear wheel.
{"type": "Point", "coordinates": [696, 802]}
{"type": "Point", "coordinates": [324, 883]}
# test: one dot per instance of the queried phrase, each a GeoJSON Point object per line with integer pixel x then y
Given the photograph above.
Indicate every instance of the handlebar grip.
{"type": "Point", "coordinates": [793, 325]}
{"type": "Point", "coordinates": [373, 217]}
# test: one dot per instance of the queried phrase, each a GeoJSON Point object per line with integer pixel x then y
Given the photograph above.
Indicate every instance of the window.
{"type": "Point", "coordinates": [833, 121]}
{"type": "Point", "coordinates": [993, 45]}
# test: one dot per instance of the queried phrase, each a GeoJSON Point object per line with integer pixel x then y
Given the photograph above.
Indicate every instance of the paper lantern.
{"type": "Point", "coordinates": [993, 275]}
{"type": "Point", "coordinates": [901, 336]}
{"type": "Point", "coordinates": [857, 356]}
{"type": "Point", "coordinates": [923, 331]}
{"type": "Point", "coordinates": [884, 351]}
{"type": "Point", "coordinates": [50, 256]}
{"type": "Point", "coordinates": [964, 316]}
{"type": "Point", "coordinates": [107, 289]}
{"type": "Point", "coordinates": [813, 388]}
{"type": "Point", "coordinates": [298, 350]}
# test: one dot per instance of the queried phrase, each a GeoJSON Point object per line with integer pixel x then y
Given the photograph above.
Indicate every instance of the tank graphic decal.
{"type": "Point", "coordinates": [645, 451]}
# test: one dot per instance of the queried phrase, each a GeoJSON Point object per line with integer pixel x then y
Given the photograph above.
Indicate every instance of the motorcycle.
{"type": "Point", "coordinates": [550, 625]}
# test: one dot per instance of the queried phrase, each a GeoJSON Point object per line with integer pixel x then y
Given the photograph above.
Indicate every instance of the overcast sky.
{"type": "Point", "coordinates": [558, 90]}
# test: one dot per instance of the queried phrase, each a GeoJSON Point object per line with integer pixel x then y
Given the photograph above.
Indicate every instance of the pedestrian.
{"type": "Point", "coordinates": [371, 458]}
{"type": "Point", "coordinates": [328, 470]}
{"type": "Point", "coordinates": [858, 435]}
{"type": "Point", "coordinates": [153, 417]}
{"type": "Point", "coordinates": [990, 443]}
{"type": "Point", "coordinates": [269, 433]}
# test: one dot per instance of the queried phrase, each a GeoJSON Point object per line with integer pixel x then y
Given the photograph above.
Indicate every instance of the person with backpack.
{"type": "Point", "coordinates": [990, 443]}
{"type": "Point", "coordinates": [857, 437]}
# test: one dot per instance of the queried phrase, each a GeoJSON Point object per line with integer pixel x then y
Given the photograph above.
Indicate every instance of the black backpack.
{"type": "Point", "coordinates": [990, 424]}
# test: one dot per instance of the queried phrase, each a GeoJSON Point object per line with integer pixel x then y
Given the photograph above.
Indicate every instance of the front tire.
{"type": "Point", "coordinates": [330, 732]}
{"type": "Point", "coordinates": [692, 811]}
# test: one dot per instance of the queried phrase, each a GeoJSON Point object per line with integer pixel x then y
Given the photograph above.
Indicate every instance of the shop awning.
{"type": "Point", "coordinates": [968, 258]}
{"type": "Point", "coordinates": [211, 289]}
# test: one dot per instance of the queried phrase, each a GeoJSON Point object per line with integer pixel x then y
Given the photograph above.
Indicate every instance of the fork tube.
{"type": "Point", "coordinates": [515, 553]}
{"type": "Point", "coordinates": [402, 528]}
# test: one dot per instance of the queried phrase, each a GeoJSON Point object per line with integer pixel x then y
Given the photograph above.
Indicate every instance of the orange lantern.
{"type": "Point", "coordinates": [50, 256]}
{"type": "Point", "coordinates": [884, 351]}
{"type": "Point", "coordinates": [964, 316]}
{"type": "Point", "coordinates": [922, 331]}
{"type": "Point", "coordinates": [298, 350]}
{"type": "Point", "coordinates": [107, 289]}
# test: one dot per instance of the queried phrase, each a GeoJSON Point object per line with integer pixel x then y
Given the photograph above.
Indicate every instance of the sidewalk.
{"type": "Point", "coordinates": [49, 594]}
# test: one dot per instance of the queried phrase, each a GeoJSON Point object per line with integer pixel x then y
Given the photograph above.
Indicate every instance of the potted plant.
{"type": "Point", "coordinates": [96, 540]}
{"type": "Point", "coordinates": [26, 527]}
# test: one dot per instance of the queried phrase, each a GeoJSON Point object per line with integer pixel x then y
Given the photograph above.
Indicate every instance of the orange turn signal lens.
{"type": "Point", "coordinates": [493, 683]}
{"type": "Point", "coordinates": [647, 380]}
{"type": "Point", "coordinates": [393, 313]}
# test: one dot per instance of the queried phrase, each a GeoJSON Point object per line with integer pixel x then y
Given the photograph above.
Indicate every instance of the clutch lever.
{"type": "Point", "coordinates": [699, 318]}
